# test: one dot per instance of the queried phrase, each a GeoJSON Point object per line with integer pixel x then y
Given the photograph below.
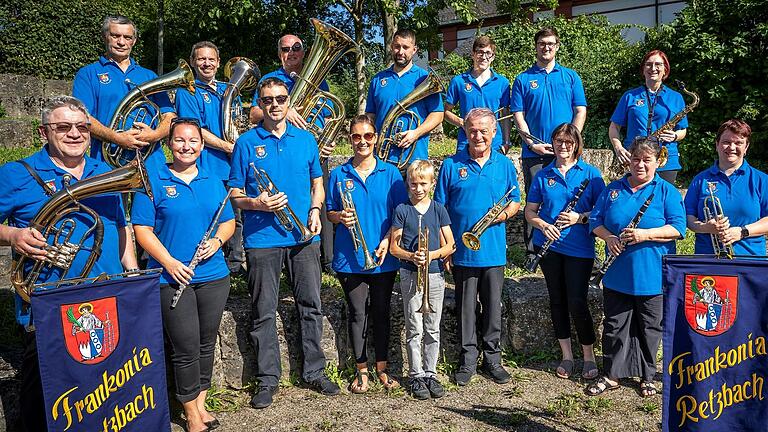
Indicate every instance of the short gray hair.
{"type": "Point", "coordinates": [61, 101]}
{"type": "Point", "coordinates": [117, 19]}
{"type": "Point", "coordinates": [642, 145]}
{"type": "Point", "coordinates": [478, 113]}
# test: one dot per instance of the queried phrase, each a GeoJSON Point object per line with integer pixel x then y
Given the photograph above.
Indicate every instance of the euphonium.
{"type": "Point", "coordinates": [356, 232]}
{"type": "Point", "coordinates": [242, 75]}
{"type": "Point", "coordinates": [471, 238]}
{"type": "Point", "coordinates": [62, 252]}
{"type": "Point", "coordinates": [422, 271]}
{"type": "Point", "coordinates": [138, 100]}
{"type": "Point", "coordinates": [713, 209]}
{"type": "Point", "coordinates": [400, 119]}
{"type": "Point", "coordinates": [323, 112]}
{"type": "Point", "coordinates": [286, 216]}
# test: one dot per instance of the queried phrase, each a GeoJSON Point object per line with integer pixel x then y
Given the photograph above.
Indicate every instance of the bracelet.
{"type": "Point", "coordinates": [506, 216]}
{"type": "Point", "coordinates": [313, 208]}
{"type": "Point", "coordinates": [221, 243]}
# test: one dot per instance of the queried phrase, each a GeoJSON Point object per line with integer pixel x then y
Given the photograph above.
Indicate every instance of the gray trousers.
{"type": "Point", "coordinates": [422, 331]}
{"type": "Point", "coordinates": [264, 268]}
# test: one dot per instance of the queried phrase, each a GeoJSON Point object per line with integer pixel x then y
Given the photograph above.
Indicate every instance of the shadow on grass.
{"type": "Point", "coordinates": [515, 419]}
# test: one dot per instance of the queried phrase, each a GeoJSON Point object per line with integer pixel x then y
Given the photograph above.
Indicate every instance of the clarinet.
{"type": "Point", "coordinates": [200, 246]}
{"type": "Point", "coordinates": [531, 266]}
{"type": "Point", "coordinates": [595, 282]}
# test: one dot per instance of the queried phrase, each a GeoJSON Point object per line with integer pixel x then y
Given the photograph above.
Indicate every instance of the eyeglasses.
{"type": "Point", "coordinates": [547, 44]}
{"type": "Point", "coordinates": [650, 65]}
{"type": "Point", "coordinates": [65, 127]}
{"type": "Point", "coordinates": [267, 100]}
{"type": "Point", "coordinates": [368, 136]}
{"type": "Point", "coordinates": [564, 143]}
{"type": "Point", "coordinates": [295, 48]}
{"type": "Point", "coordinates": [484, 54]}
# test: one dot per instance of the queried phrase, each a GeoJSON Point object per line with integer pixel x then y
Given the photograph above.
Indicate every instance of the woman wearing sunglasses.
{"type": "Point", "coordinates": [367, 273]}
{"type": "Point", "coordinates": [186, 200]}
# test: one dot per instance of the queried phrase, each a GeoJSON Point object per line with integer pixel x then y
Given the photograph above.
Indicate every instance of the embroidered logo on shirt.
{"type": "Point", "coordinates": [104, 78]}
{"type": "Point", "coordinates": [613, 194]}
{"type": "Point", "coordinates": [534, 84]}
{"type": "Point", "coordinates": [550, 182]}
{"type": "Point", "coordinates": [383, 82]}
{"type": "Point", "coordinates": [206, 97]}
{"type": "Point", "coordinates": [170, 191]}
{"type": "Point", "coordinates": [640, 102]}
{"type": "Point", "coordinates": [261, 151]}
{"type": "Point", "coordinates": [51, 184]}
{"type": "Point", "coordinates": [468, 87]}
{"type": "Point", "coordinates": [349, 184]}
{"type": "Point", "coordinates": [712, 187]}
{"type": "Point", "coordinates": [463, 173]}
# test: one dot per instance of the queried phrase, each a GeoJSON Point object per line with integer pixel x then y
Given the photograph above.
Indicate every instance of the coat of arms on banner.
{"type": "Point", "coordinates": [711, 303]}
{"type": "Point", "coordinates": [91, 329]}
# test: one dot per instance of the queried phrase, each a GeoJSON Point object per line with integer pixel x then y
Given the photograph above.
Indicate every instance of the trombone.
{"type": "Point", "coordinates": [356, 231]}
{"type": "Point", "coordinates": [713, 209]}
{"type": "Point", "coordinates": [286, 216]}
{"type": "Point", "coordinates": [422, 270]}
{"type": "Point", "coordinates": [471, 238]}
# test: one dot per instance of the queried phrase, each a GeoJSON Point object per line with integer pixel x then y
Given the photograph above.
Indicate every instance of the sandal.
{"type": "Point", "coordinates": [589, 370]}
{"type": "Point", "coordinates": [387, 381]}
{"type": "Point", "coordinates": [648, 389]}
{"type": "Point", "coordinates": [566, 366]}
{"type": "Point", "coordinates": [358, 385]}
{"type": "Point", "coordinates": [600, 386]}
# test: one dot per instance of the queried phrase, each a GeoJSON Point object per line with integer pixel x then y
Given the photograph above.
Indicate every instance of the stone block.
{"type": "Point", "coordinates": [16, 133]}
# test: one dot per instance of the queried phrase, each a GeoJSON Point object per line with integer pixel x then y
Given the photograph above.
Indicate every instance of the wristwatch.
{"type": "Point", "coordinates": [744, 232]}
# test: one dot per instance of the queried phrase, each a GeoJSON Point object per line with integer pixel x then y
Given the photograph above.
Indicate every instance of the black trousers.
{"type": "Point", "coordinates": [234, 246]}
{"type": "Point", "coordinates": [368, 295]}
{"type": "Point", "coordinates": [631, 334]}
{"type": "Point", "coordinates": [478, 294]}
{"type": "Point", "coordinates": [191, 328]}
{"type": "Point", "coordinates": [32, 404]}
{"type": "Point", "coordinates": [531, 166]}
{"type": "Point", "coordinates": [567, 282]}
{"type": "Point", "coordinates": [326, 233]}
{"type": "Point", "coordinates": [264, 268]}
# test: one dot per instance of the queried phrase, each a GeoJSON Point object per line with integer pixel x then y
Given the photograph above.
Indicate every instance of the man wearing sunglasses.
{"type": "Point", "coordinates": [289, 157]}
{"type": "Point", "coordinates": [103, 84]}
{"type": "Point", "coordinates": [479, 87]}
{"type": "Point", "coordinates": [27, 186]}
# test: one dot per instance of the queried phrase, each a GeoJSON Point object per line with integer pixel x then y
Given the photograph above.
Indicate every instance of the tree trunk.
{"type": "Point", "coordinates": [160, 29]}
{"type": "Point", "coordinates": [389, 20]}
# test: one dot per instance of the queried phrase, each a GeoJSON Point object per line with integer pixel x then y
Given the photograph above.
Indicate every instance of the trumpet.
{"type": "Point", "coordinates": [356, 232]}
{"type": "Point", "coordinates": [713, 209]}
{"type": "Point", "coordinates": [471, 238]}
{"type": "Point", "coordinates": [286, 216]}
{"type": "Point", "coordinates": [422, 270]}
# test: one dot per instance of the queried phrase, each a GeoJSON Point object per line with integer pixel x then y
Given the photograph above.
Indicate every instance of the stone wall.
{"type": "Point", "coordinates": [22, 97]}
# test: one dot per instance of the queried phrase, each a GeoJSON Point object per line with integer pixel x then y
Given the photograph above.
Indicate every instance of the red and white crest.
{"type": "Point", "coordinates": [550, 182]}
{"type": "Point", "coordinates": [349, 184]}
{"type": "Point", "coordinates": [639, 102]}
{"type": "Point", "coordinates": [468, 87]}
{"type": "Point", "coordinates": [711, 303]}
{"type": "Point", "coordinates": [383, 82]}
{"type": "Point", "coordinates": [51, 184]}
{"type": "Point", "coordinates": [170, 191]}
{"type": "Point", "coordinates": [91, 330]}
{"type": "Point", "coordinates": [613, 194]}
{"type": "Point", "coordinates": [206, 97]}
{"type": "Point", "coordinates": [534, 84]}
{"type": "Point", "coordinates": [261, 152]}
{"type": "Point", "coordinates": [463, 173]}
{"type": "Point", "coordinates": [104, 78]}
{"type": "Point", "coordinates": [712, 187]}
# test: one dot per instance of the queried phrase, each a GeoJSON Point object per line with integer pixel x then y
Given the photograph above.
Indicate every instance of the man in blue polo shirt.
{"type": "Point", "coordinates": [392, 85]}
{"type": "Point", "coordinates": [479, 87]}
{"type": "Point", "coordinates": [543, 97]}
{"type": "Point", "coordinates": [65, 130]}
{"type": "Point", "coordinates": [103, 84]}
{"type": "Point", "coordinates": [289, 156]}
{"type": "Point", "coordinates": [468, 185]}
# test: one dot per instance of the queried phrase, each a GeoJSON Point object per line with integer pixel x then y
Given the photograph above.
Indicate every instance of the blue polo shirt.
{"type": "Point", "coordinates": [292, 161]}
{"type": "Point", "coordinates": [632, 113]}
{"type": "Point", "coordinates": [554, 191]}
{"type": "Point", "coordinates": [21, 197]}
{"type": "Point", "coordinates": [744, 198]}
{"type": "Point", "coordinates": [546, 99]}
{"type": "Point", "coordinates": [205, 106]}
{"type": "Point", "coordinates": [637, 270]}
{"type": "Point", "coordinates": [375, 200]}
{"type": "Point", "coordinates": [468, 191]}
{"type": "Point", "coordinates": [102, 85]}
{"type": "Point", "coordinates": [465, 92]}
{"type": "Point", "coordinates": [386, 89]}
{"type": "Point", "coordinates": [181, 214]}
{"type": "Point", "coordinates": [407, 217]}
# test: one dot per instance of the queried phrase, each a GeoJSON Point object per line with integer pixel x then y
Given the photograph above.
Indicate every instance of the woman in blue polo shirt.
{"type": "Point", "coordinates": [643, 110]}
{"type": "Point", "coordinates": [186, 198]}
{"type": "Point", "coordinates": [376, 188]}
{"type": "Point", "coordinates": [568, 263]}
{"type": "Point", "coordinates": [741, 190]}
{"type": "Point", "coordinates": [632, 296]}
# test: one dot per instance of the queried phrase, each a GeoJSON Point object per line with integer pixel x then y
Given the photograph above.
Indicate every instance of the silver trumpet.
{"type": "Point", "coordinates": [356, 231]}
{"type": "Point", "coordinates": [713, 209]}
{"type": "Point", "coordinates": [471, 238]}
{"type": "Point", "coordinates": [422, 271]}
{"type": "Point", "coordinates": [286, 216]}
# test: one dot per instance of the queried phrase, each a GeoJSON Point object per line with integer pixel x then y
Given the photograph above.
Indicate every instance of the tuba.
{"type": "Point", "coordinates": [400, 119]}
{"type": "Point", "coordinates": [422, 271]}
{"type": "Point", "coordinates": [138, 100]}
{"type": "Point", "coordinates": [306, 97]}
{"type": "Point", "coordinates": [471, 238]}
{"type": "Point", "coordinates": [242, 75]}
{"type": "Point", "coordinates": [61, 253]}
{"type": "Point", "coordinates": [356, 232]}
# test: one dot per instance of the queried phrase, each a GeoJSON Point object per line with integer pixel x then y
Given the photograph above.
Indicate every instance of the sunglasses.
{"type": "Point", "coordinates": [267, 100]}
{"type": "Point", "coordinates": [184, 121]}
{"type": "Point", "coordinates": [65, 127]}
{"type": "Point", "coordinates": [295, 48]}
{"type": "Point", "coordinates": [368, 136]}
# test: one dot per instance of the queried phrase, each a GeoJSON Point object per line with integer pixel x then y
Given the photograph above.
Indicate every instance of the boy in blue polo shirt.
{"type": "Point", "coordinates": [421, 210]}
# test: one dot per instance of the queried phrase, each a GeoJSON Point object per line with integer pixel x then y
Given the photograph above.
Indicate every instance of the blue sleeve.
{"type": "Point", "coordinates": [442, 216]}
{"type": "Point", "coordinates": [619, 115]}
{"type": "Point", "coordinates": [762, 193]}
{"type": "Point", "coordinates": [332, 198]}
{"type": "Point", "coordinates": [579, 98]}
{"type": "Point", "coordinates": [691, 200]}
{"type": "Point", "coordinates": [398, 217]}
{"type": "Point", "coordinates": [534, 192]}
{"type": "Point", "coordinates": [238, 173]}
{"type": "Point", "coordinates": [315, 170]}
{"type": "Point", "coordinates": [370, 100]}
{"type": "Point", "coordinates": [186, 105]}
{"type": "Point", "coordinates": [452, 95]}
{"type": "Point", "coordinates": [255, 100]}
{"type": "Point", "coordinates": [142, 210]}
{"type": "Point", "coordinates": [512, 182]}
{"type": "Point", "coordinates": [8, 192]}
{"type": "Point", "coordinates": [83, 90]}
{"type": "Point", "coordinates": [434, 103]}
{"type": "Point", "coordinates": [443, 182]}
{"type": "Point", "coordinates": [120, 219]}
{"type": "Point", "coordinates": [397, 192]}
{"type": "Point", "coordinates": [674, 212]}
{"type": "Point", "coordinates": [324, 86]}
{"type": "Point", "coordinates": [597, 217]}
{"type": "Point", "coordinates": [505, 98]}
{"type": "Point", "coordinates": [163, 101]}
{"type": "Point", "coordinates": [516, 97]}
